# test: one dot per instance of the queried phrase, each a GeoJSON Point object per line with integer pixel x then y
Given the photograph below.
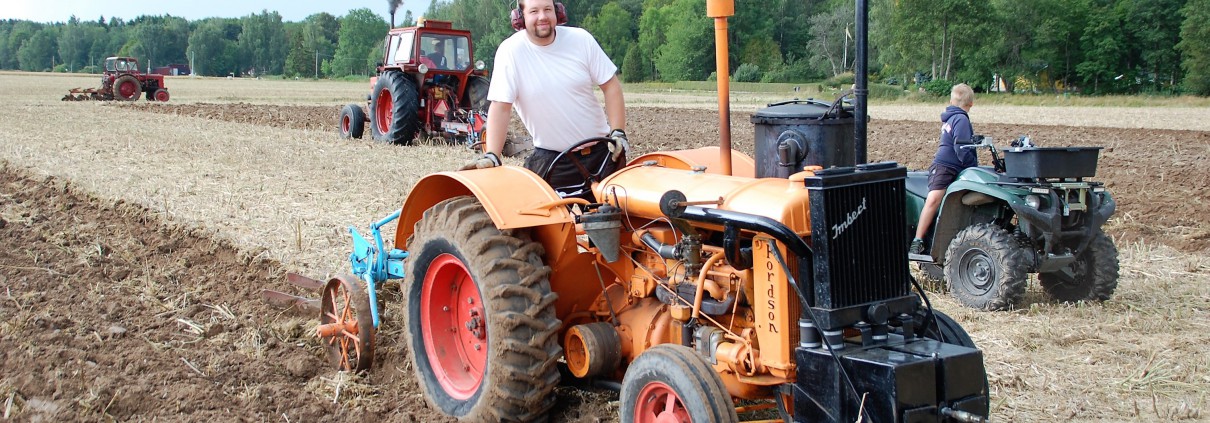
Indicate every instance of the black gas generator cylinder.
{"type": "Point", "coordinates": [797, 133]}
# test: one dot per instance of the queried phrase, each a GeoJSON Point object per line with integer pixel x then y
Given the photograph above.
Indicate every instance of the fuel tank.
{"type": "Point", "coordinates": [638, 189]}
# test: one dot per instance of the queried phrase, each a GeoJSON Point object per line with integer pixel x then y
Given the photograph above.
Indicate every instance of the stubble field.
{"type": "Point", "coordinates": [135, 238]}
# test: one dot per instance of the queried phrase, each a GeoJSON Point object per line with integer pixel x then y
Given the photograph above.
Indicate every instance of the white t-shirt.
{"type": "Point", "coordinates": [551, 86]}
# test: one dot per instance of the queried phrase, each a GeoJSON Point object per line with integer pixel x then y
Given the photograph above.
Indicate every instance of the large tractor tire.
{"type": "Point", "coordinates": [352, 121]}
{"type": "Point", "coordinates": [672, 383]}
{"type": "Point", "coordinates": [476, 93]}
{"type": "Point", "coordinates": [985, 268]}
{"type": "Point", "coordinates": [127, 88]}
{"type": "Point", "coordinates": [1093, 276]}
{"type": "Point", "coordinates": [480, 316]}
{"type": "Point", "coordinates": [394, 106]}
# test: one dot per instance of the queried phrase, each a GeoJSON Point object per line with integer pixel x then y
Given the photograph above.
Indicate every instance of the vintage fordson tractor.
{"type": "Point", "coordinates": [698, 279]}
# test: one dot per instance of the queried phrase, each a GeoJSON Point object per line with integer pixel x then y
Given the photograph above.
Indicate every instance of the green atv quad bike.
{"type": "Point", "coordinates": [1030, 212]}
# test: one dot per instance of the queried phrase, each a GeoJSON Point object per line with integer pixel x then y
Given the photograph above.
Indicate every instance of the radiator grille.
{"type": "Point", "coordinates": [857, 231]}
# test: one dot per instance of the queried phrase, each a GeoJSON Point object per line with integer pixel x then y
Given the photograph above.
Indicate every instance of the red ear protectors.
{"type": "Point", "coordinates": [518, 19]}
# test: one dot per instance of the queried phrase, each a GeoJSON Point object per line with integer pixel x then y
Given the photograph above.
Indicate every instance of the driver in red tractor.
{"type": "Point", "coordinates": [548, 73]}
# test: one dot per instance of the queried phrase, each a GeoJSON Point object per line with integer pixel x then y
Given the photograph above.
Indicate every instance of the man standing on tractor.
{"type": "Point", "coordinates": [548, 72]}
{"type": "Point", "coordinates": [951, 158]}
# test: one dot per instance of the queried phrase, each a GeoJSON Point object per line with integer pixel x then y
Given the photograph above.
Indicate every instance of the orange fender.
{"type": "Point", "coordinates": [513, 196]}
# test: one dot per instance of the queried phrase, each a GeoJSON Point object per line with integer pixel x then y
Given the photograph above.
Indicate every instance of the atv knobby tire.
{"type": "Point", "coordinates": [985, 268]}
{"type": "Point", "coordinates": [394, 106]}
{"type": "Point", "coordinates": [455, 245]}
{"type": "Point", "coordinates": [1093, 276]}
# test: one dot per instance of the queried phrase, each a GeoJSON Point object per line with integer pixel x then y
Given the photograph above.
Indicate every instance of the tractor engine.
{"type": "Point", "coordinates": [791, 288]}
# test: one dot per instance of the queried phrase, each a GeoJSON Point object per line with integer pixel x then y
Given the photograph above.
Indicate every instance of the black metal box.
{"type": "Point", "coordinates": [1051, 162]}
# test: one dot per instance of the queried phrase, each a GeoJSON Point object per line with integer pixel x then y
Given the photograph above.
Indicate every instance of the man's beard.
{"type": "Point", "coordinates": [541, 33]}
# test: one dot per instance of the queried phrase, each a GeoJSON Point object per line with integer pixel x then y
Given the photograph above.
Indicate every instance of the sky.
{"type": "Point", "coordinates": [47, 11]}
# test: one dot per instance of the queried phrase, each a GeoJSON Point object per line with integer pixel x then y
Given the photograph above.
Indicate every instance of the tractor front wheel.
{"type": "Point", "coordinates": [127, 88]}
{"type": "Point", "coordinates": [352, 121]}
{"type": "Point", "coordinates": [480, 316]}
{"type": "Point", "coordinates": [1092, 277]}
{"type": "Point", "coordinates": [945, 329]}
{"type": "Point", "coordinates": [161, 95]}
{"type": "Point", "coordinates": [394, 107]}
{"type": "Point", "coordinates": [673, 383]}
{"type": "Point", "coordinates": [985, 268]}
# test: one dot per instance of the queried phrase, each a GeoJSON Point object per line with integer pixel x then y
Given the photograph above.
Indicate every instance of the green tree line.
{"type": "Point", "coordinates": [1090, 46]}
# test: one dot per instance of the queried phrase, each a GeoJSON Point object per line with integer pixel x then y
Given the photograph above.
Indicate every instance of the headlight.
{"type": "Point", "coordinates": [1033, 201]}
{"type": "Point", "coordinates": [422, 68]}
{"type": "Point", "coordinates": [479, 65]}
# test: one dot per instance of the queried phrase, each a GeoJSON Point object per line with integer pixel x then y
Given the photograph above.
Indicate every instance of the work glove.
{"type": "Point", "coordinates": [620, 147]}
{"type": "Point", "coordinates": [488, 160]}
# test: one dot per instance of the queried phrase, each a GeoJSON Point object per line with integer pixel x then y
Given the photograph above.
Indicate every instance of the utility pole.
{"type": "Point", "coordinates": [316, 64]}
{"type": "Point", "coordinates": [191, 68]}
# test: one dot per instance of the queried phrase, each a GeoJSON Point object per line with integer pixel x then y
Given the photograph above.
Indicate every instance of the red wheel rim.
{"type": "Point", "coordinates": [658, 403]}
{"type": "Point", "coordinates": [127, 90]}
{"type": "Point", "coordinates": [341, 314]}
{"type": "Point", "coordinates": [453, 326]}
{"type": "Point", "coordinates": [344, 124]}
{"type": "Point", "coordinates": [383, 110]}
{"type": "Point", "coordinates": [161, 96]}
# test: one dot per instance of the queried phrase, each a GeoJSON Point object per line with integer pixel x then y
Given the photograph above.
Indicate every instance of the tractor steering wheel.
{"type": "Point", "coordinates": [590, 176]}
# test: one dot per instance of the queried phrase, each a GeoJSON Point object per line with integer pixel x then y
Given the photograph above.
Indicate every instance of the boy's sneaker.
{"type": "Point", "coordinates": [917, 246]}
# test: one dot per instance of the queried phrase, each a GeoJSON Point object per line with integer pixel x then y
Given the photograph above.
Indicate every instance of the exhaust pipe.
{"type": "Point", "coordinates": [861, 81]}
{"type": "Point", "coordinates": [720, 10]}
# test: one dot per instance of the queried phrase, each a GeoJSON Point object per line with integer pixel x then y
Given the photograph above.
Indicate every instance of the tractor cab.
{"type": "Point", "coordinates": [121, 64]}
{"type": "Point", "coordinates": [430, 48]}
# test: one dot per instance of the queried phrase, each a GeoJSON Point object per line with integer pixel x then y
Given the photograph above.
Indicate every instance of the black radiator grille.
{"type": "Point", "coordinates": [857, 231]}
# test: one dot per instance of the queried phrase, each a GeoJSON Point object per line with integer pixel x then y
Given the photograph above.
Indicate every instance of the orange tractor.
{"type": "Point", "coordinates": [708, 283]}
{"type": "Point", "coordinates": [122, 81]}
{"type": "Point", "coordinates": [427, 83]}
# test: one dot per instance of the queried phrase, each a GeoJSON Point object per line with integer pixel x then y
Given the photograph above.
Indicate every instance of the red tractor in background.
{"type": "Point", "coordinates": [122, 81]}
{"type": "Point", "coordinates": [427, 82]}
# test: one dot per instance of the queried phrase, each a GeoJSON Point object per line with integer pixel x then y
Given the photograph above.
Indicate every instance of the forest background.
{"type": "Point", "coordinates": [1039, 46]}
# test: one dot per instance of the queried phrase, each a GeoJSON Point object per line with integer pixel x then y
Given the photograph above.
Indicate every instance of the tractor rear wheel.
{"type": "Point", "coordinates": [476, 93]}
{"type": "Point", "coordinates": [672, 383]}
{"type": "Point", "coordinates": [480, 316]}
{"type": "Point", "coordinates": [127, 88]}
{"type": "Point", "coordinates": [1093, 276]}
{"type": "Point", "coordinates": [393, 109]}
{"type": "Point", "coordinates": [985, 268]}
{"type": "Point", "coordinates": [346, 325]}
{"type": "Point", "coordinates": [161, 95]}
{"type": "Point", "coordinates": [352, 121]}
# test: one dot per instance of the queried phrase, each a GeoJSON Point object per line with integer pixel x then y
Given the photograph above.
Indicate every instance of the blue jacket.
{"type": "Point", "coordinates": [956, 126]}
